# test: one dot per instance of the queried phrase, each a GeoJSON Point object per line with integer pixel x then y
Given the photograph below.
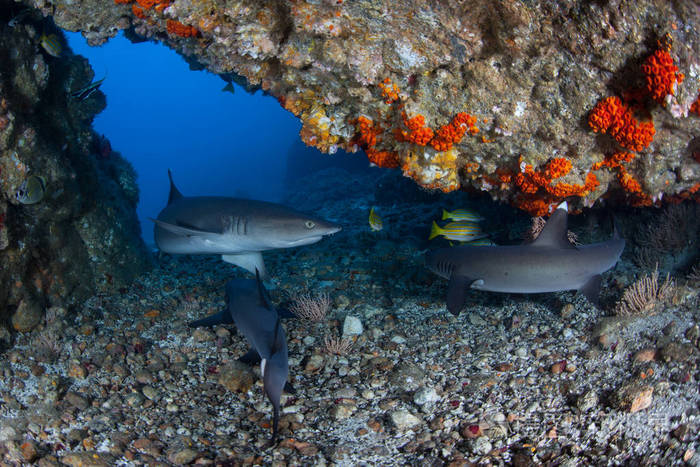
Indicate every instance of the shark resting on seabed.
{"type": "Point", "coordinates": [550, 263]}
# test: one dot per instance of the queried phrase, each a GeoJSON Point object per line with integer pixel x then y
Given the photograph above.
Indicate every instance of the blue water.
{"type": "Point", "coordinates": [160, 115]}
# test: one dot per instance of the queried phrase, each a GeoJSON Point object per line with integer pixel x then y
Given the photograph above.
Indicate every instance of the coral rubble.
{"type": "Point", "coordinates": [82, 236]}
{"type": "Point", "coordinates": [411, 83]}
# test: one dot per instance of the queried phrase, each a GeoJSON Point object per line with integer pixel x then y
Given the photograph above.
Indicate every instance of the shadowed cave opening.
{"type": "Point", "coordinates": [161, 114]}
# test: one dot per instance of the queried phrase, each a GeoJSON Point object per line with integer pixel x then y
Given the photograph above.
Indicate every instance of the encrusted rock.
{"type": "Point", "coordinates": [236, 376]}
{"type": "Point", "coordinates": [352, 326]}
{"type": "Point", "coordinates": [27, 316]}
{"type": "Point", "coordinates": [404, 420]}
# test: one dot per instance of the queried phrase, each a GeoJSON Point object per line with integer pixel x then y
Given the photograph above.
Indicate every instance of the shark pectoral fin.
{"type": "Point", "coordinates": [252, 357]}
{"type": "Point", "coordinates": [457, 293]}
{"type": "Point", "coordinates": [250, 261]}
{"type": "Point", "coordinates": [289, 389]}
{"type": "Point", "coordinates": [223, 317]}
{"type": "Point", "coordinates": [183, 231]}
{"type": "Point", "coordinates": [477, 284]}
{"type": "Point", "coordinates": [591, 290]}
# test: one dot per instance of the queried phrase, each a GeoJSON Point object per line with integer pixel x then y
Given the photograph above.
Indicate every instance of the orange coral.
{"type": "Point", "coordinates": [179, 29]}
{"type": "Point", "coordinates": [367, 138]}
{"type": "Point", "coordinates": [385, 159]}
{"type": "Point", "coordinates": [695, 106]}
{"type": "Point", "coordinates": [122, 2]}
{"type": "Point", "coordinates": [138, 12]}
{"type": "Point", "coordinates": [146, 3]}
{"type": "Point", "coordinates": [390, 91]}
{"type": "Point", "coordinates": [660, 75]}
{"type": "Point", "coordinates": [612, 116]}
{"type": "Point", "coordinates": [454, 131]}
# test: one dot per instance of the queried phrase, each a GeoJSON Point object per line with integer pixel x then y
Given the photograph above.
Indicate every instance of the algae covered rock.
{"type": "Point", "coordinates": [533, 102]}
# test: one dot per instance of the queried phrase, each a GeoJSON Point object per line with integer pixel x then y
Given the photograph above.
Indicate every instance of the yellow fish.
{"type": "Point", "coordinates": [461, 215]}
{"type": "Point", "coordinates": [375, 222]}
{"type": "Point", "coordinates": [32, 190]}
{"type": "Point", "coordinates": [51, 44]}
{"type": "Point", "coordinates": [462, 231]}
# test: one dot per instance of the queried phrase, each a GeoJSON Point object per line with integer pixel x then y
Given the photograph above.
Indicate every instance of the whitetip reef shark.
{"type": "Point", "coordinates": [249, 307]}
{"type": "Point", "coordinates": [551, 263]}
{"type": "Point", "coordinates": [237, 229]}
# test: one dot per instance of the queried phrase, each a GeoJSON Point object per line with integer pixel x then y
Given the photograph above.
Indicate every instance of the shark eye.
{"type": "Point", "coordinates": [310, 224]}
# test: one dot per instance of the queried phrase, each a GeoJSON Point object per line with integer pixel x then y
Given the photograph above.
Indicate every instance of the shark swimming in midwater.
{"type": "Point", "coordinates": [249, 307]}
{"type": "Point", "coordinates": [551, 263]}
{"type": "Point", "coordinates": [237, 229]}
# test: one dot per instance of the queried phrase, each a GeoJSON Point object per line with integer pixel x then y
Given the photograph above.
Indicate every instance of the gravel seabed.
{"type": "Point", "coordinates": [514, 380]}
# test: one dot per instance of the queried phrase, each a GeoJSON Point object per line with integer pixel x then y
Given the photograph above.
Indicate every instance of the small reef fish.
{"type": "Point", "coordinates": [51, 44]}
{"type": "Point", "coordinates": [461, 215]}
{"type": "Point", "coordinates": [85, 92]}
{"type": "Point", "coordinates": [18, 18]}
{"type": "Point", "coordinates": [229, 88]}
{"type": "Point", "coordinates": [32, 190]}
{"type": "Point", "coordinates": [461, 231]}
{"type": "Point", "coordinates": [375, 222]}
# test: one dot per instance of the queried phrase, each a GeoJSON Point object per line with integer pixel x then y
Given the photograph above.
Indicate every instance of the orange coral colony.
{"type": "Point", "coordinates": [612, 116]}
{"type": "Point", "coordinates": [179, 29]}
{"type": "Point", "coordinates": [660, 75]}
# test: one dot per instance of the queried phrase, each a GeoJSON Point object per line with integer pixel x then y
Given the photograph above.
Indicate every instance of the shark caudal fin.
{"type": "Point", "coordinates": [223, 317]}
{"type": "Point", "coordinates": [435, 230]}
{"type": "Point", "coordinates": [174, 192]}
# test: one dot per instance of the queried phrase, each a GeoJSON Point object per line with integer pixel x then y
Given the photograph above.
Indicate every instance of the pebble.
{"type": "Point", "coordinates": [425, 396]}
{"type": "Point", "coordinates": [404, 420]}
{"type": "Point", "coordinates": [398, 339]}
{"type": "Point", "coordinates": [675, 352]}
{"type": "Point", "coordinates": [645, 355]}
{"type": "Point", "coordinates": [476, 320]}
{"type": "Point", "coordinates": [481, 445]}
{"type": "Point", "coordinates": [27, 316]}
{"type": "Point", "coordinates": [587, 401]}
{"type": "Point", "coordinates": [567, 311]}
{"type": "Point", "coordinates": [633, 397]}
{"type": "Point", "coordinates": [29, 450]}
{"type": "Point", "coordinates": [314, 363]}
{"type": "Point", "coordinates": [352, 326]}
{"type": "Point", "coordinates": [88, 459]}
{"type": "Point", "coordinates": [407, 376]}
{"type": "Point", "coordinates": [76, 400]}
{"type": "Point", "coordinates": [150, 393]}
{"type": "Point", "coordinates": [236, 376]}
{"type": "Point", "coordinates": [182, 457]}
{"type": "Point", "coordinates": [343, 411]}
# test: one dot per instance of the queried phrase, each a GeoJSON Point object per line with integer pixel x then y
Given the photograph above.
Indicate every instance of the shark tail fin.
{"type": "Point", "coordinates": [445, 214]}
{"type": "Point", "coordinates": [174, 192]}
{"type": "Point", "coordinates": [435, 230]}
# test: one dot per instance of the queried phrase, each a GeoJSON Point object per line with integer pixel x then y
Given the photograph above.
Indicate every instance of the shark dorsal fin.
{"type": "Point", "coordinates": [553, 233]}
{"type": "Point", "coordinates": [174, 192]}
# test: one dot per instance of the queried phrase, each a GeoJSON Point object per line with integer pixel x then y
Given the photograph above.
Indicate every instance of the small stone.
{"type": "Point", "coordinates": [404, 420]}
{"type": "Point", "coordinates": [203, 335]}
{"type": "Point", "coordinates": [476, 320]}
{"type": "Point", "coordinates": [76, 400]}
{"type": "Point", "coordinates": [77, 371]}
{"type": "Point", "coordinates": [27, 316]}
{"type": "Point", "coordinates": [425, 396]}
{"type": "Point", "coordinates": [236, 376]}
{"type": "Point", "coordinates": [342, 411]}
{"type": "Point", "coordinates": [398, 339]}
{"type": "Point", "coordinates": [482, 446]}
{"type": "Point", "coordinates": [675, 352]}
{"type": "Point", "coordinates": [29, 451]}
{"type": "Point", "coordinates": [88, 459]}
{"type": "Point", "coordinates": [633, 397]}
{"type": "Point", "coordinates": [587, 401]}
{"type": "Point", "coordinates": [352, 326]}
{"type": "Point", "coordinates": [314, 363]}
{"type": "Point", "coordinates": [133, 399]}
{"type": "Point", "coordinates": [183, 457]}
{"type": "Point", "coordinates": [681, 433]}
{"type": "Point", "coordinates": [567, 311]}
{"type": "Point", "coordinates": [558, 367]}
{"type": "Point", "coordinates": [407, 376]}
{"type": "Point", "coordinates": [150, 393]}
{"type": "Point", "coordinates": [688, 454]}
{"type": "Point", "coordinates": [644, 355]}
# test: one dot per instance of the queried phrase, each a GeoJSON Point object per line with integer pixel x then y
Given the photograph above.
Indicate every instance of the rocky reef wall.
{"type": "Point", "coordinates": [530, 101]}
{"type": "Point", "coordinates": [81, 236]}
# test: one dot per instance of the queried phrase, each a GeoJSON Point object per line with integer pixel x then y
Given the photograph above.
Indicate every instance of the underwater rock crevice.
{"type": "Point", "coordinates": [68, 226]}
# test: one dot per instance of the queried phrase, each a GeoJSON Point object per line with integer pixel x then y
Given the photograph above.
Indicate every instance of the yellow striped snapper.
{"type": "Point", "coordinates": [461, 215]}
{"type": "Point", "coordinates": [375, 222]}
{"type": "Point", "coordinates": [51, 44]}
{"type": "Point", "coordinates": [461, 231]}
{"type": "Point", "coordinates": [32, 190]}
